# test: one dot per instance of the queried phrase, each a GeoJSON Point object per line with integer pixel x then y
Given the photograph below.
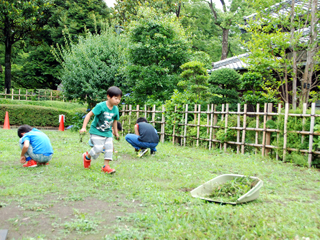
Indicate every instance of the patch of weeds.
{"type": "Point", "coordinates": [38, 207]}
{"type": "Point", "coordinates": [126, 233]}
{"type": "Point", "coordinates": [81, 223]}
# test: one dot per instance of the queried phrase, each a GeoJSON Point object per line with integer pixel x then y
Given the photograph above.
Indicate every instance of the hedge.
{"type": "Point", "coordinates": [36, 116]}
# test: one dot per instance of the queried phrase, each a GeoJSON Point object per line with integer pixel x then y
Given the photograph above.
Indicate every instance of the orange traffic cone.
{"type": "Point", "coordinates": [6, 124]}
{"type": "Point", "coordinates": [61, 126]}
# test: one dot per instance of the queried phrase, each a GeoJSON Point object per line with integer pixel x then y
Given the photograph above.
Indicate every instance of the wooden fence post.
{"type": "Point", "coordinates": [244, 128]}
{"type": "Point", "coordinates": [226, 126]}
{"type": "Point", "coordinates": [19, 93]}
{"type": "Point", "coordinates": [257, 126]}
{"type": "Point", "coordinates": [174, 125]}
{"type": "Point", "coordinates": [304, 111]}
{"type": "Point", "coordinates": [145, 111]}
{"type": "Point", "coordinates": [208, 118]}
{"type": "Point", "coordinates": [26, 94]}
{"type": "Point", "coordinates": [238, 126]}
{"type": "Point", "coordinates": [198, 125]}
{"type": "Point", "coordinates": [12, 93]}
{"type": "Point", "coordinates": [162, 124]}
{"type": "Point", "coordinates": [312, 118]}
{"type": "Point", "coordinates": [222, 117]}
{"type": "Point", "coordinates": [138, 109]}
{"type": "Point", "coordinates": [264, 129]}
{"type": "Point", "coordinates": [185, 126]}
{"type": "Point", "coordinates": [278, 134]}
{"type": "Point", "coordinates": [285, 131]}
{"type": "Point", "coordinates": [211, 124]}
{"type": "Point", "coordinates": [215, 120]}
{"type": "Point", "coordinates": [153, 115]}
{"type": "Point", "coordinates": [268, 134]}
{"type": "Point", "coordinates": [130, 111]}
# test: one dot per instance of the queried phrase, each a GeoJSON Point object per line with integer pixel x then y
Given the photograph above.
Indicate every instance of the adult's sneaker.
{"type": "Point", "coordinates": [153, 153]}
{"type": "Point", "coordinates": [108, 169]}
{"type": "Point", "coordinates": [143, 152]}
{"type": "Point", "coordinates": [30, 163]}
{"type": "Point", "coordinates": [86, 162]}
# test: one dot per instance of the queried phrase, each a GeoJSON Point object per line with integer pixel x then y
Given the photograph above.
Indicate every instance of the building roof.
{"type": "Point", "coordinates": [235, 63]}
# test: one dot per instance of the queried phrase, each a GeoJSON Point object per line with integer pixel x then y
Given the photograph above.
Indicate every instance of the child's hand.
{"type": "Point", "coordinates": [82, 130]}
{"type": "Point", "coordinates": [117, 137]}
{"type": "Point", "coordinates": [22, 159]}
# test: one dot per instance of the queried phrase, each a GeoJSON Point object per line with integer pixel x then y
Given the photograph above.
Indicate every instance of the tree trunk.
{"type": "Point", "coordinates": [294, 59]}
{"type": "Point", "coordinates": [8, 50]}
{"type": "Point", "coordinates": [225, 35]}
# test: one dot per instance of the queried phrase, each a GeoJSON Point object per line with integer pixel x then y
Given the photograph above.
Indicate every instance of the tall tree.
{"type": "Point", "coordinates": [228, 19]}
{"type": "Point", "coordinates": [20, 20]}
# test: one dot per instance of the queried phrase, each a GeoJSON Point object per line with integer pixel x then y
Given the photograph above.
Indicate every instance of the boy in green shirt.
{"type": "Point", "coordinates": [106, 115]}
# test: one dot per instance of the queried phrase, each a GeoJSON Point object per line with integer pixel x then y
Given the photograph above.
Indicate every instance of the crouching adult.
{"type": "Point", "coordinates": [35, 147]}
{"type": "Point", "coordinates": [145, 137]}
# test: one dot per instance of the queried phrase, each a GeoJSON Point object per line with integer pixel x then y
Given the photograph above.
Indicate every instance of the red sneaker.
{"type": "Point", "coordinates": [86, 162]}
{"type": "Point", "coordinates": [107, 169]}
{"type": "Point", "coordinates": [30, 163]}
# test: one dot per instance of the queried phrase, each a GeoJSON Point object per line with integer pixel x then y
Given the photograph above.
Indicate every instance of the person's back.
{"type": "Point", "coordinates": [147, 133]}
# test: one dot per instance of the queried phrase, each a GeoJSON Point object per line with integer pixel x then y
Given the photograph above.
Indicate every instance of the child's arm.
{"type": "Point", "coordinates": [115, 129]}
{"type": "Point", "coordinates": [24, 150]}
{"type": "Point", "coordinates": [136, 129]}
{"type": "Point", "coordinates": [85, 122]}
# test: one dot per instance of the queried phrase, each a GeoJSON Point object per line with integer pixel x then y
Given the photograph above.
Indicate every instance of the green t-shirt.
{"type": "Point", "coordinates": [103, 119]}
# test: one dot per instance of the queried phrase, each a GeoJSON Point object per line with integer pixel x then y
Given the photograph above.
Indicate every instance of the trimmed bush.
{"type": "Point", "coordinates": [36, 116]}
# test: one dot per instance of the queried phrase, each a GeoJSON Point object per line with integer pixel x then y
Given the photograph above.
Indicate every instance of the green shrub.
{"type": "Point", "coordinates": [36, 116]}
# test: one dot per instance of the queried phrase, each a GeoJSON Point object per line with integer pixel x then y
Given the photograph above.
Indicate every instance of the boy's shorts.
{"type": "Point", "coordinates": [99, 144]}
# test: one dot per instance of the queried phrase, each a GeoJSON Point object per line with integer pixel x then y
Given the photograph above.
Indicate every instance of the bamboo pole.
{"type": "Point", "coordinates": [257, 126]}
{"type": "Point", "coordinates": [215, 120]}
{"type": "Point", "coordinates": [185, 126]}
{"type": "Point", "coordinates": [285, 131]}
{"type": "Point", "coordinates": [222, 118]}
{"type": "Point", "coordinates": [19, 93]}
{"type": "Point", "coordinates": [26, 94]}
{"type": "Point", "coordinates": [304, 111]}
{"type": "Point", "coordinates": [174, 125]}
{"type": "Point", "coordinates": [182, 120]}
{"type": "Point", "coordinates": [264, 129]}
{"type": "Point", "coordinates": [238, 125]}
{"type": "Point", "coordinates": [153, 115]}
{"type": "Point", "coordinates": [312, 119]}
{"type": "Point", "coordinates": [12, 93]}
{"type": "Point", "coordinates": [195, 114]}
{"type": "Point", "coordinates": [198, 125]}
{"type": "Point", "coordinates": [226, 126]}
{"type": "Point", "coordinates": [278, 134]}
{"type": "Point", "coordinates": [162, 124]}
{"type": "Point", "coordinates": [130, 108]}
{"type": "Point", "coordinates": [145, 111]}
{"type": "Point", "coordinates": [138, 109]}
{"type": "Point", "coordinates": [211, 122]}
{"type": "Point", "coordinates": [208, 118]}
{"type": "Point", "coordinates": [244, 128]}
{"type": "Point", "coordinates": [268, 134]}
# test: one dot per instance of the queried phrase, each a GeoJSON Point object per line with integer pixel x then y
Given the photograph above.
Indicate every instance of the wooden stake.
{"type": "Point", "coordinates": [153, 115]}
{"type": "Point", "coordinates": [278, 134]}
{"type": "Point", "coordinates": [304, 111]}
{"type": "Point", "coordinates": [257, 126]}
{"type": "Point", "coordinates": [238, 125]}
{"type": "Point", "coordinates": [285, 131]}
{"type": "Point", "coordinates": [174, 125]}
{"type": "Point", "coordinates": [198, 125]}
{"type": "Point", "coordinates": [312, 118]}
{"type": "Point", "coordinates": [185, 126]}
{"type": "Point", "coordinates": [162, 124]}
{"type": "Point", "coordinates": [226, 126]}
{"type": "Point", "coordinates": [264, 130]}
{"type": "Point", "coordinates": [244, 128]}
{"type": "Point", "coordinates": [268, 134]}
{"type": "Point", "coordinates": [211, 124]}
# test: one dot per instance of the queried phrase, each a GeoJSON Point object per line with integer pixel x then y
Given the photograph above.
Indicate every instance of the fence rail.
{"type": "Point", "coordinates": [37, 95]}
{"type": "Point", "coordinates": [264, 136]}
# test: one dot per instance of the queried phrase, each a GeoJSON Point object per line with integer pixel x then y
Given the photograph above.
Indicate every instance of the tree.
{"type": "Point", "coordinates": [126, 11]}
{"type": "Point", "coordinates": [92, 66]}
{"type": "Point", "coordinates": [282, 47]}
{"type": "Point", "coordinates": [158, 47]}
{"type": "Point", "coordinates": [195, 80]}
{"type": "Point", "coordinates": [225, 83]}
{"type": "Point", "coordinates": [228, 19]}
{"type": "Point", "coordinates": [20, 20]}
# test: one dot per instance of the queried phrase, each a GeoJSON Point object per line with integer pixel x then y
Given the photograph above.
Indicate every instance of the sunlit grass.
{"type": "Point", "coordinates": [159, 186]}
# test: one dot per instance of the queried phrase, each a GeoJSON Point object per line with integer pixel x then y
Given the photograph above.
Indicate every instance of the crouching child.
{"type": "Point", "coordinates": [145, 137]}
{"type": "Point", "coordinates": [35, 147]}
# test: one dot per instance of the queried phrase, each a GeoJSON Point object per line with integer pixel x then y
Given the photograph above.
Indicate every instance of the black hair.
{"type": "Point", "coordinates": [141, 119]}
{"type": "Point", "coordinates": [119, 126]}
{"type": "Point", "coordinates": [23, 129]}
{"type": "Point", "coordinates": [114, 91]}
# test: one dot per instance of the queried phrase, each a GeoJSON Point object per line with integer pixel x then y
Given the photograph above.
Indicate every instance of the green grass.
{"type": "Point", "coordinates": [149, 198]}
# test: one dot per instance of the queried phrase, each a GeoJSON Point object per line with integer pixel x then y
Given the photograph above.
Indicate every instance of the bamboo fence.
{"type": "Point", "coordinates": [39, 94]}
{"type": "Point", "coordinates": [264, 136]}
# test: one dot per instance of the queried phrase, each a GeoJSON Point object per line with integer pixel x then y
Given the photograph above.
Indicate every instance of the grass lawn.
{"type": "Point", "coordinates": [149, 198]}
